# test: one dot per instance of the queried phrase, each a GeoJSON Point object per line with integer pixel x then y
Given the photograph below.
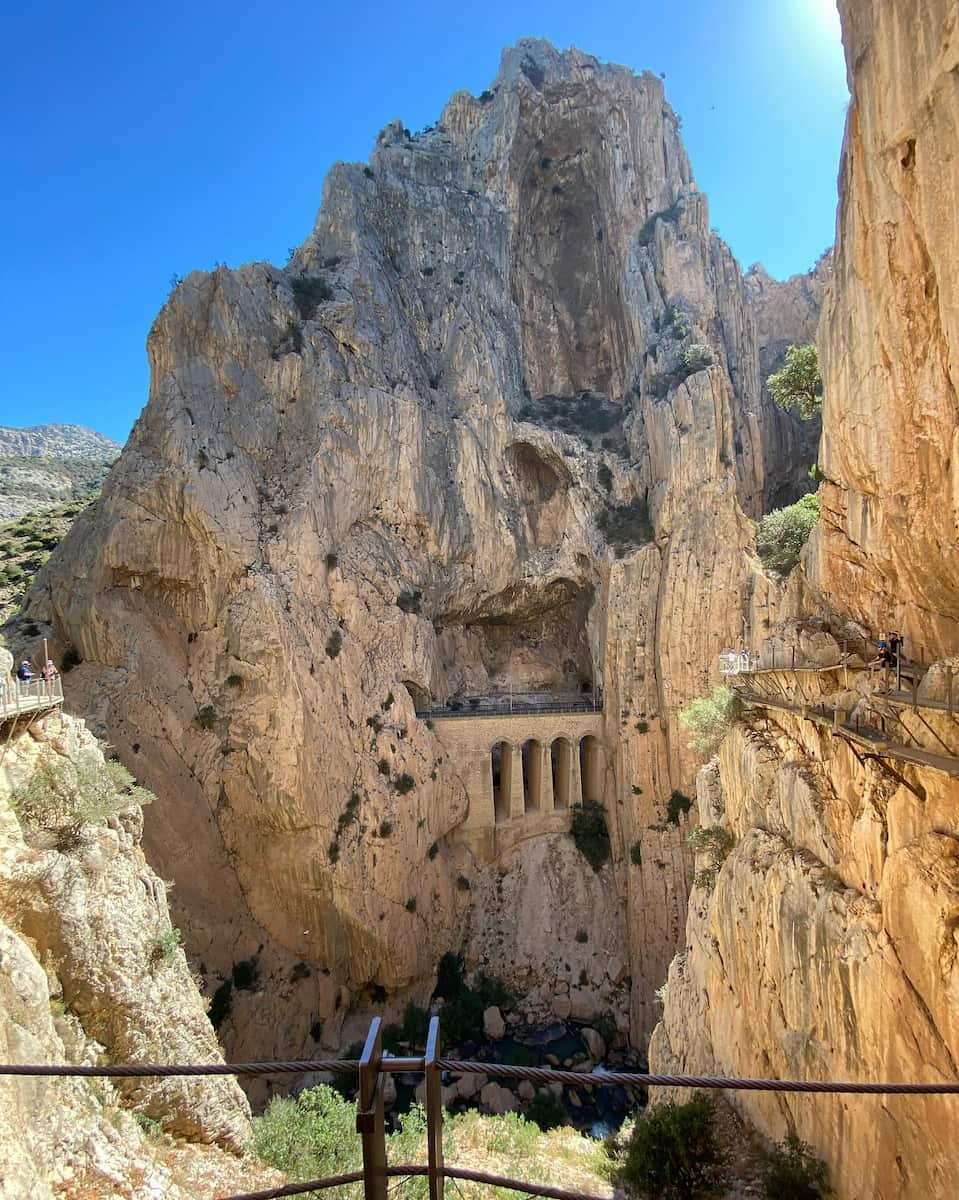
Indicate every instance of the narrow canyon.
{"type": "Point", "coordinates": [421, 545]}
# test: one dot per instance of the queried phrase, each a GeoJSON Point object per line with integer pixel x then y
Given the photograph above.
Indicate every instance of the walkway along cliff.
{"type": "Point", "coordinates": [498, 424]}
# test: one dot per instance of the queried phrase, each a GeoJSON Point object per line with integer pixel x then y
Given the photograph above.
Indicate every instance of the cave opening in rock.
{"type": "Point", "coordinates": [419, 695]}
{"type": "Point", "coordinates": [530, 637]}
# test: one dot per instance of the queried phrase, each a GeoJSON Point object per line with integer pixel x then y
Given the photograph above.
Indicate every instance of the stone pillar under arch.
{"type": "Point", "coordinates": [546, 777]}
{"type": "Point", "coordinates": [575, 778]}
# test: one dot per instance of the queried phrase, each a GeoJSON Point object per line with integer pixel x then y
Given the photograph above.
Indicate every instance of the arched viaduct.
{"type": "Point", "coordinates": [523, 773]}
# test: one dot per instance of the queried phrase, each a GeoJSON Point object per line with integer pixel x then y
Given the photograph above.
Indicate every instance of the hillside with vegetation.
{"type": "Point", "coordinates": [46, 465]}
{"type": "Point", "coordinates": [27, 542]}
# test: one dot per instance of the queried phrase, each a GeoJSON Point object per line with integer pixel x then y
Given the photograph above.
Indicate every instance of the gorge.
{"type": "Point", "coordinates": [424, 540]}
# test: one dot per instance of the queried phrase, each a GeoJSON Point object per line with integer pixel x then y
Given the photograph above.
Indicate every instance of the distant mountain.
{"type": "Point", "coordinates": [47, 465]}
{"type": "Point", "coordinates": [56, 441]}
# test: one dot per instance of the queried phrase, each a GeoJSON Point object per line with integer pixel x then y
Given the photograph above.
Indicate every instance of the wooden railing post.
{"type": "Point", "coordinates": [949, 690]}
{"type": "Point", "coordinates": [370, 1115]}
{"type": "Point", "coordinates": [434, 1111]}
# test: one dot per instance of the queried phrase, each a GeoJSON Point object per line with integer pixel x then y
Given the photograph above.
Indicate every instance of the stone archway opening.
{"type": "Point", "coordinates": [502, 761]}
{"type": "Point", "coordinates": [561, 754]}
{"type": "Point", "coordinates": [532, 776]}
{"type": "Point", "coordinates": [591, 767]}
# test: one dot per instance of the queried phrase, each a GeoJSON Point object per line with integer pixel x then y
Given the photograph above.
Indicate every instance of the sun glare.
{"type": "Point", "coordinates": [826, 16]}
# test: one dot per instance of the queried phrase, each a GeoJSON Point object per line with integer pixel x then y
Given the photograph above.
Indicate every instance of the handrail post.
{"type": "Point", "coordinates": [949, 690]}
{"type": "Point", "coordinates": [370, 1115]}
{"type": "Point", "coordinates": [434, 1111]}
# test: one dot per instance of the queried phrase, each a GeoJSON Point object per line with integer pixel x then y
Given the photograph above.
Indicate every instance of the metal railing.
{"type": "Point", "coordinates": [517, 704]}
{"type": "Point", "coordinates": [29, 695]}
{"type": "Point", "coordinates": [372, 1067]}
{"type": "Point", "coordinates": [789, 658]}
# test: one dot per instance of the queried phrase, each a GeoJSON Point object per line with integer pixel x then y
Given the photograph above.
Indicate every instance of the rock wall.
{"type": "Point", "coordinates": [827, 947]}
{"type": "Point", "coordinates": [84, 979]}
{"type": "Point", "coordinates": [827, 950]}
{"type": "Point", "coordinates": [889, 341]}
{"type": "Point", "coordinates": [499, 419]}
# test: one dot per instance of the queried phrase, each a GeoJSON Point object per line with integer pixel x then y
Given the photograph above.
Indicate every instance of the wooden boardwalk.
{"type": "Point", "coordinates": [31, 697]}
{"type": "Point", "coordinates": [871, 739]}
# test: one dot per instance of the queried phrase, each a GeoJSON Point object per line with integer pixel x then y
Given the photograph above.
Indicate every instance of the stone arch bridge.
{"type": "Point", "coordinates": [523, 773]}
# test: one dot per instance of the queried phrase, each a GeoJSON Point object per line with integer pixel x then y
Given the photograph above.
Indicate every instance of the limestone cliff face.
{"type": "Point", "coordinates": [83, 979]}
{"type": "Point", "coordinates": [827, 947]}
{"type": "Point", "coordinates": [889, 341]}
{"type": "Point", "coordinates": [827, 950]}
{"type": "Point", "coordinates": [380, 475]}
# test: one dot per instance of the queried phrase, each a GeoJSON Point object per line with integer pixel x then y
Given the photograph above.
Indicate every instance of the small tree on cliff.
{"type": "Point", "coordinates": [710, 718]}
{"type": "Point", "coordinates": [783, 532]}
{"type": "Point", "coordinates": [798, 385]}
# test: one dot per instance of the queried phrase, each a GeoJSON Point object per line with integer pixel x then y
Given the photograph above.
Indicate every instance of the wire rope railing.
{"type": "Point", "coordinates": [372, 1067]}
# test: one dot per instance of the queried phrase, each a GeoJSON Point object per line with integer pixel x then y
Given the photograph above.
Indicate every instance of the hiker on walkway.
{"type": "Point", "coordinates": [895, 645]}
{"type": "Point", "coordinates": [49, 671]}
{"type": "Point", "coordinates": [884, 658]}
{"type": "Point", "coordinates": [25, 673]}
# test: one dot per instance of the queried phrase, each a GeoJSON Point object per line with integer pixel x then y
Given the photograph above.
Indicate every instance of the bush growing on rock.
{"type": "Point", "coordinates": [309, 292]}
{"type": "Point", "coordinates": [798, 385]}
{"type": "Point", "coordinates": [334, 643]}
{"type": "Point", "coordinates": [696, 357]}
{"type": "Point", "coordinates": [672, 1152]}
{"type": "Point", "coordinates": [679, 803]}
{"type": "Point", "coordinates": [794, 1173]}
{"type": "Point", "coordinates": [589, 832]}
{"type": "Point", "coordinates": [463, 1008]}
{"type": "Point", "coordinates": [710, 718]}
{"type": "Point", "coordinates": [626, 526]}
{"type": "Point", "coordinates": [164, 946]}
{"type": "Point", "coordinates": [783, 532]}
{"type": "Point", "coordinates": [63, 796]}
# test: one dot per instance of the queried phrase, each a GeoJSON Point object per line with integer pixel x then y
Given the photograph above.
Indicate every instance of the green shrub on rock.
{"type": "Point", "coordinates": [783, 532]}
{"type": "Point", "coordinates": [64, 795]}
{"type": "Point", "coordinates": [672, 1152]}
{"type": "Point", "coordinates": [590, 833]}
{"type": "Point", "coordinates": [798, 385]}
{"type": "Point", "coordinates": [794, 1173]}
{"type": "Point", "coordinates": [710, 718]}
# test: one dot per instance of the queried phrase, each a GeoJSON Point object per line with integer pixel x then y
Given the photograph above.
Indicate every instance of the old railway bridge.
{"type": "Point", "coordinates": [525, 760]}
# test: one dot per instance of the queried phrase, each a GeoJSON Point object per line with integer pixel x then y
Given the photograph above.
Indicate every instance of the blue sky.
{"type": "Point", "coordinates": [142, 141]}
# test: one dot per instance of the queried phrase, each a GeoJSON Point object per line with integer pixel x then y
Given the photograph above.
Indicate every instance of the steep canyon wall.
{"type": "Point", "coordinates": [827, 947]}
{"type": "Point", "coordinates": [498, 422]}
